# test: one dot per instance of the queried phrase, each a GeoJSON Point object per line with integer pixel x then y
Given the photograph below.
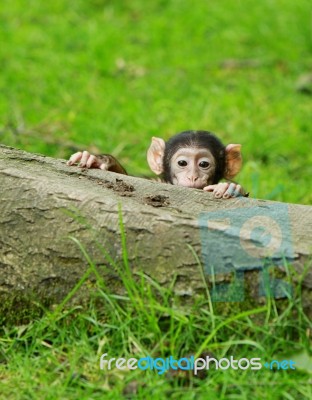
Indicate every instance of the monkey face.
{"type": "Point", "coordinates": [192, 167]}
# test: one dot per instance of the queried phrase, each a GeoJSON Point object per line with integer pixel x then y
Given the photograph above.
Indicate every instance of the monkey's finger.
{"type": "Point", "coordinates": [209, 188]}
{"type": "Point", "coordinates": [104, 166]}
{"type": "Point", "coordinates": [238, 191]}
{"type": "Point", "coordinates": [220, 189]}
{"type": "Point", "coordinates": [230, 191]}
{"type": "Point", "coordinates": [92, 162]}
{"type": "Point", "coordinates": [84, 159]}
{"type": "Point", "coordinates": [74, 158]}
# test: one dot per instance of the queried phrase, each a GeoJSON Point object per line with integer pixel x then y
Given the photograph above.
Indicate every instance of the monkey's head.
{"type": "Point", "coordinates": [194, 159]}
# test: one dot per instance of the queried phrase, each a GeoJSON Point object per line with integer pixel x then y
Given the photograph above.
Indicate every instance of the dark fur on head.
{"type": "Point", "coordinates": [197, 139]}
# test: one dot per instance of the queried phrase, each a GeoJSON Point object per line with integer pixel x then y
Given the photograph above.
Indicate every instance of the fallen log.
{"type": "Point", "coordinates": [46, 208]}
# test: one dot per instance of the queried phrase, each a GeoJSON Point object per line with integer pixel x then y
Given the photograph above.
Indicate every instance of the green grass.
{"type": "Point", "coordinates": [58, 355]}
{"type": "Point", "coordinates": [107, 75]}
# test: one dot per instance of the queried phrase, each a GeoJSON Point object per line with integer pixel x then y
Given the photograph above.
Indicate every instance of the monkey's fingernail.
{"type": "Point", "coordinates": [226, 196]}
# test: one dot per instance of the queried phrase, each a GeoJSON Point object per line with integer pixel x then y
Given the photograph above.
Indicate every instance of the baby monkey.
{"type": "Point", "coordinates": [194, 159]}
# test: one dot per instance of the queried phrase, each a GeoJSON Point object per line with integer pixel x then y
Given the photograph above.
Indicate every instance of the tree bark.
{"type": "Point", "coordinates": [46, 208]}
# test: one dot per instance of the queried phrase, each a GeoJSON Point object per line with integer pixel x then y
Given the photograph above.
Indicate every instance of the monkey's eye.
{"type": "Point", "coordinates": [182, 163]}
{"type": "Point", "coordinates": [204, 164]}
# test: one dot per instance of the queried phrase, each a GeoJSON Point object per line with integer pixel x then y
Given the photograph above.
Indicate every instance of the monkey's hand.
{"type": "Point", "coordinates": [105, 162]}
{"type": "Point", "coordinates": [225, 190]}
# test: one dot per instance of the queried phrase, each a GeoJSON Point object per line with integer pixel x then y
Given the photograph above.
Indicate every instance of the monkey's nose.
{"type": "Point", "coordinates": [192, 178]}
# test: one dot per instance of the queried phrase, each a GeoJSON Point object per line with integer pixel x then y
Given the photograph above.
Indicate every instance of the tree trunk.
{"type": "Point", "coordinates": [247, 247]}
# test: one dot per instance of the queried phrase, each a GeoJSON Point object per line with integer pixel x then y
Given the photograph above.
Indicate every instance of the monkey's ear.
{"type": "Point", "coordinates": [233, 160]}
{"type": "Point", "coordinates": [155, 155]}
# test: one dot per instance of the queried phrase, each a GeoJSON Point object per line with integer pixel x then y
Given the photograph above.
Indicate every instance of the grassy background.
{"type": "Point", "coordinates": [107, 75]}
